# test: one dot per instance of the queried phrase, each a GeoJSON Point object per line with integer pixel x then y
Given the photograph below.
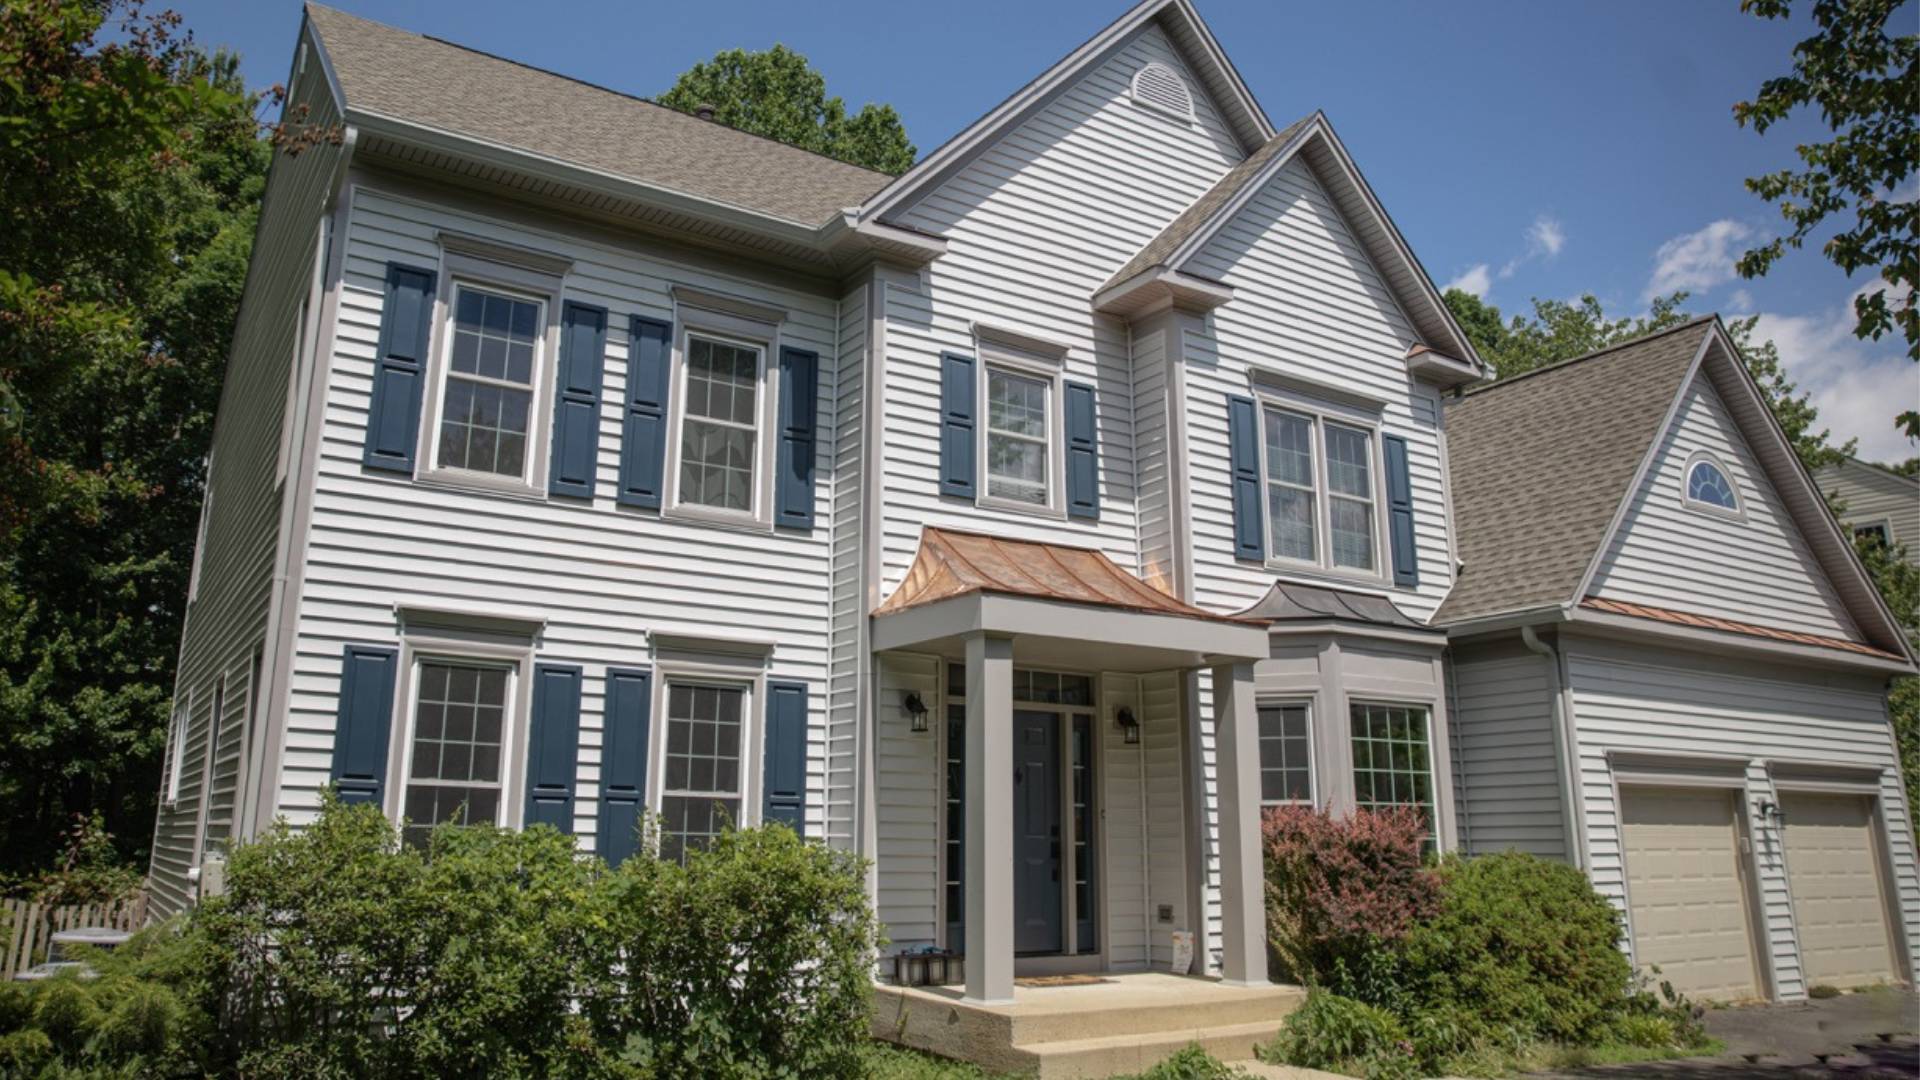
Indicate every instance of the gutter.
{"type": "Point", "coordinates": [1563, 744]}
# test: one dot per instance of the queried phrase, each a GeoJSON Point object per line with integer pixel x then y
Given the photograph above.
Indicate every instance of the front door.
{"type": "Point", "coordinates": [1037, 899]}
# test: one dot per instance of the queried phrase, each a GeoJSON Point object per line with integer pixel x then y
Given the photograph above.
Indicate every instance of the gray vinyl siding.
{"type": "Point", "coordinates": [1034, 226]}
{"type": "Point", "coordinates": [603, 577]}
{"type": "Point", "coordinates": [1307, 303]}
{"type": "Point", "coordinates": [226, 621]}
{"type": "Point", "coordinates": [848, 661]}
{"type": "Point", "coordinates": [1507, 772]}
{"type": "Point", "coordinates": [1154, 464]}
{"type": "Point", "coordinates": [908, 800]}
{"type": "Point", "coordinates": [1869, 496]}
{"type": "Point", "coordinates": [1756, 570]}
{"type": "Point", "coordinates": [1165, 827]}
{"type": "Point", "coordinates": [1653, 700]}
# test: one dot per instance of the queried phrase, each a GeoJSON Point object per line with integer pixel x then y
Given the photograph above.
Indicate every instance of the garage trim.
{"type": "Point", "coordinates": [1658, 769]}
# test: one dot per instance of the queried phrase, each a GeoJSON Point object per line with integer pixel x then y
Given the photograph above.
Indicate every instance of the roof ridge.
{"type": "Point", "coordinates": [577, 81]}
{"type": "Point", "coordinates": [1594, 355]}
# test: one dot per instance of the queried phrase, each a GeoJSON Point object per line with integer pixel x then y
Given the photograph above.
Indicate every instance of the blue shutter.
{"type": "Point", "coordinates": [623, 762]}
{"type": "Point", "coordinates": [786, 761]}
{"type": "Point", "coordinates": [956, 425]}
{"type": "Point", "coordinates": [1243, 448]}
{"type": "Point", "coordinates": [399, 370]}
{"type": "Point", "coordinates": [1083, 454]}
{"type": "Point", "coordinates": [793, 476]}
{"type": "Point", "coordinates": [1406, 558]}
{"type": "Point", "coordinates": [364, 722]}
{"type": "Point", "coordinates": [553, 745]}
{"type": "Point", "coordinates": [643, 430]}
{"type": "Point", "coordinates": [576, 400]}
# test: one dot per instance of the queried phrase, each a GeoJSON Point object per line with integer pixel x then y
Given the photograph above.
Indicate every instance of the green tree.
{"type": "Point", "coordinates": [1794, 411]}
{"type": "Point", "coordinates": [1899, 583]}
{"type": "Point", "coordinates": [777, 94]}
{"type": "Point", "coordinates": [1866, 83]}
{"type": "Point", "coordinates": [130, 172]}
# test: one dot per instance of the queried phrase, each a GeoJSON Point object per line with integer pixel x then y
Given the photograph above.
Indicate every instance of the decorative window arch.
{"type": "Point", "coordinates": [1707, 485]}
{"type": "Point", "coordinates": [1161, 87]}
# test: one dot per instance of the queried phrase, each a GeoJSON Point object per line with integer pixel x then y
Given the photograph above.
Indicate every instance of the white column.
{"type": "Point", "coordinates": [989, 836]}
{"type": "Point", "coordinates": [1243, 943]}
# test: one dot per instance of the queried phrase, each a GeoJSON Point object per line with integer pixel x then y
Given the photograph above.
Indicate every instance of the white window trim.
{"type": "Point", "coordinates": [1054, 375]}
{"type": "Point", "coordinates": [177, 748]}
{"type": "Point", "coordinates": [1321, 413]}
{"type": "Point", "coordinates": [737, 673]}
{"type": "Point", "coordinates": [518, 660]}
{"type": "Point", "coordinates": [727, 329]}
{"type": "Point", "coordinates": [1313, 754]}
{"type": "Point", "coordinates": [1883, 523]}
{"type": "Point", "coordinates": [200, 531]}
{"type": "Point", "coordinates": [1739, 511]}
{"type": "Point", "coordinates": [536, 284]}
{"type": "Point", "coordinates": [1388, 701]}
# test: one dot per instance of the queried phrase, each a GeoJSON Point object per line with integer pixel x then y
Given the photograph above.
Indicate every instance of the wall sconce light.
{"type": "Point", "coordinates": [1129, 727]}
{"type": "Point", "coordinates": [1771, 810]}
{"type": "Point", "coordinates": [916, 710]}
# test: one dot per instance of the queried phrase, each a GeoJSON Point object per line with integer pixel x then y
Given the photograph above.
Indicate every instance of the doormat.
{"type": "Point", "coordinates": [1032, 981]}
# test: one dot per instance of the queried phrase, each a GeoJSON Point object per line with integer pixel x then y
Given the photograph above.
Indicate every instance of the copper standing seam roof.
{"type": "Point", "coordinates": [952, 563]}
{"type": "Point", "coordinates": [1710, 622]}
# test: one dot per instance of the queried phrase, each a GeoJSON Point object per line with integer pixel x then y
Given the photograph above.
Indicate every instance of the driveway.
{"type": "Point", "coordinates": [1864, 1036]}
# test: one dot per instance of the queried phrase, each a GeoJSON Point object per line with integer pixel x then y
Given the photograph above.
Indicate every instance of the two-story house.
{"type": "Point", "coordinates": [1024, 523]}
{"type": "Point", "coordinates": [1876, 503]}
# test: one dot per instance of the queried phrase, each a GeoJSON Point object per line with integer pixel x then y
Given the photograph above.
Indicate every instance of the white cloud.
{"type": "Point", "coordinates": [1697, 261]}
{"type": "Point", "coordinates": [1545, 236]}
{"type": "Point", "coordinates": [1857, 385]}
{"type": "Point", "coordinates": [1740, 300]}
{"type": "Point", "coordinates": [1476, 279]}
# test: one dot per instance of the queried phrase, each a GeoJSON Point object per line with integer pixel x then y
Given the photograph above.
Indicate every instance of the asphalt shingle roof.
{"type": "Point", "coordinates": [423, 80]}
{"type": "Point", "coordinates": [1540, 462]}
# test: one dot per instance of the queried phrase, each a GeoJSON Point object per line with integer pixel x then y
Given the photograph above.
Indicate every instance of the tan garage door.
{"type": "Point", "coordinates": [1688, 890]}
{"type": "Point", "coordinates": [1833, 866]}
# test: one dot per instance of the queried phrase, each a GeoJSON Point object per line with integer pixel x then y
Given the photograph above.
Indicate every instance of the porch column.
{"type": "Point", "coordinates": [1242, 886]}
{"type": "Point", "coordinates": [989, 829]}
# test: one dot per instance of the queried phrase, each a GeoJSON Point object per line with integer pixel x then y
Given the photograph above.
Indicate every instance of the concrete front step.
{"type": "Point", "coordinates": [1108, 1055]}
{"type": "Point", "coordinates": [1122, 1014]}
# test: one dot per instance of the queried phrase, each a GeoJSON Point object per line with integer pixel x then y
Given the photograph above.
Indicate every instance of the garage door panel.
{"type": "Point", "coordinates": [1833, 872]}
{"type": "Point", "coordinates": [1688, 896]}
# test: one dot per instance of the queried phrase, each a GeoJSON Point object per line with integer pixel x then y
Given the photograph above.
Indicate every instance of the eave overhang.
{"type": "Point", "coordinates": [1158, 288]}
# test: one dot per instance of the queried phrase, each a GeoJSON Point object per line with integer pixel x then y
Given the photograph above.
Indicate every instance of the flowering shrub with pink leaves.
{"type": "Point", "coordinates": [1341, 889]}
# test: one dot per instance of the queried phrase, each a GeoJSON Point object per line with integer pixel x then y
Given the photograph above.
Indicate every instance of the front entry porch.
{"type": "Point", "coordinates": [1067, 719]}
{"type": "Point", "coordinates": [1122, 1024]}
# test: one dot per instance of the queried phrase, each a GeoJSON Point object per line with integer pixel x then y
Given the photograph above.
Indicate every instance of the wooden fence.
{"type": "Point", "coordinates": [26, 929]}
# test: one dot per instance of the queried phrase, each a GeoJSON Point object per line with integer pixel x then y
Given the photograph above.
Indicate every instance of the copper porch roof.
{"type": "Point", "coordinates": [952, 563]}
{"type": "Point", "coordinates": [1711, 622]}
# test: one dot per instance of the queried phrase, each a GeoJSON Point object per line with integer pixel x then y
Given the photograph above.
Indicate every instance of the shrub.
{"type": "Point", "coordinates": [1520, 945]}
{"type": "Point", "coordinates": [1332, 1032]}
{"type": "Point", "coordinates": [1191, 1062]}
{"type": "Point", "coordinates": [753, 960]}
{"type": "Point", "coordinates": [1342, 890]}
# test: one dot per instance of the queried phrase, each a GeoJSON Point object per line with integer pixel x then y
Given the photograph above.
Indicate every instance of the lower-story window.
{"type": "Point", "coordinates": [702, 793]}
{"type": "Point", "coordinates": [459, 730]}
{"type": "Point", "coordinates": [1391, 762]}
{"type": "Point", "coordinates": [1286, 756]}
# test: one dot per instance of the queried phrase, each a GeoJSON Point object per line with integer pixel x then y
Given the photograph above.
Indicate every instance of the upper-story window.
{"type": "Point", "coordinates": [1018, 437]}
{"type": "Point", "coordinates": [1321, 502]}
{"type": "Point", "coordinates": [1709, 486]}
{"type": "Point", "coordinates": [486, 414]}
{"type": "Point", "coordinates": [719, 434]}
{"type": "Point", "coordinates": [1875, 532]}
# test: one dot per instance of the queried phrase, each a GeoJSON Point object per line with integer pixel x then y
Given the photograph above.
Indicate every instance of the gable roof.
{"type": "Point", "coordinates": [1189, 34]}
{"type": "Point", "coordinates": [1541, 463]}
{"type": "Point", "coordinates": [1545, 464]}
{"type": "Point", "coordinates": [424, 82]}
{"type": "Point", "coordinates": [1312, 140]}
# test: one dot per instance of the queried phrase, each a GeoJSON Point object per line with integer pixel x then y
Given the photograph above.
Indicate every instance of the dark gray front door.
{"type": "Point", "coordinates": [1037, 898]}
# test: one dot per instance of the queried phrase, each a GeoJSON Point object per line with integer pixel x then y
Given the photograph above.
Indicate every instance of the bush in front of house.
{"type": "Point", "coordinates": [1341, 893]}
{"type": "Point", "coordinates": [126, 1020]}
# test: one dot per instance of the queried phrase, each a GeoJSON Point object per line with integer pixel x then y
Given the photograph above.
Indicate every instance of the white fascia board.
{"type": "Point", "coordinates": [1232, 207]}
{"type": "Point", "coordinates": [1507, 620]}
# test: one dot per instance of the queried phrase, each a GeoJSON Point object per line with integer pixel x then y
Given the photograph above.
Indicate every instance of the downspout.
{"type": "Point", "coordinates": [1562, 743]}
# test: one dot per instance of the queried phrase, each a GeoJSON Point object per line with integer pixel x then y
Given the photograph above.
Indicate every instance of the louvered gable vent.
{"type": "Point", "coordinates": [1162, 87]}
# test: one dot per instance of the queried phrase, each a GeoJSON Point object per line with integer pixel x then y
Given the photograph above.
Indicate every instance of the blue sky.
{"type": "Point", "coordinates": [1525, 149]}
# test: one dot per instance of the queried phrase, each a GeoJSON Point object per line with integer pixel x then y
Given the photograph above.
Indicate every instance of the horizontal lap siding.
{"type": "Point", "coordinates": [908, 801]}
{"type": "Point", "coordinates": [602, 576]}
{"type": "Point", "coordinates": [226, 621]}
{"type": "Point", "coordinates": [847, 662]}
{"type": "Point", "coordinates": [1166, 829]}
{"type": "Point", "coordinates": [1307, 303]}
{"type": "Point", "coordinates": [1755, 570]}
{"type": "Point", "coordinates": [1872, 496]}
{"type": "Point", "coordinates": [1507, 772]}
{"type": "Point", "coordinates": [1153, 460]}
{"type": "Point", "coordinates": [1121, 811]}
{"type": "Point", "coordinates": [1651, 700]}
{"type": "Point", "coordinates": [1034, 226]}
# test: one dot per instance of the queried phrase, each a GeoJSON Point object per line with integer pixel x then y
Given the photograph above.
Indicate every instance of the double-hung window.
{"type": "Point", "coordinates": [1322, 507]}
{"type": "Point", "coordinates": [1392, 762]}
{"type": "Point", "coordinates": [1286, 755]}
{"type": "Point", "coordinates": [486, 413]}
{"type": "Point", "coordinates": [457, 746]}
{"type": "Point", "coordinates": [704, 782]}
{"type": "Point", "coordinates": [720, 422]}
{"type": "Point", "coordinates": [1018, 433]}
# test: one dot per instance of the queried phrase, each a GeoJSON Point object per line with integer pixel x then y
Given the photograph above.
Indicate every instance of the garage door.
{"type": "Point", "coordinates": [1688, 891]}
{"type": "Point", "coordinates": [1833, 866]}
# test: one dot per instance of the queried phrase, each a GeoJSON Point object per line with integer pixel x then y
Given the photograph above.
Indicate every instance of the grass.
{"type": "Point", "coordinates": [1553, 1057]}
